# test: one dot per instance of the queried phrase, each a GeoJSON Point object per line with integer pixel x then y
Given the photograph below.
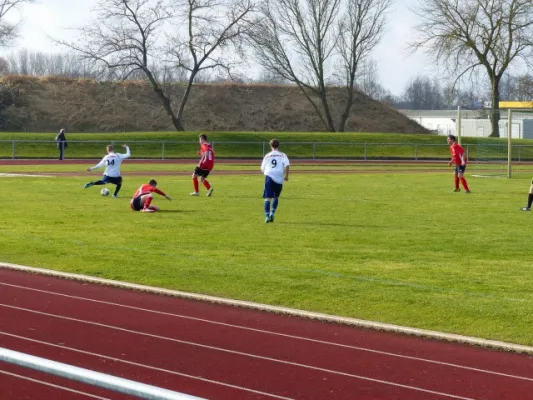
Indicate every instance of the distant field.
{"type": "Point", "coordinates": [387, 246]}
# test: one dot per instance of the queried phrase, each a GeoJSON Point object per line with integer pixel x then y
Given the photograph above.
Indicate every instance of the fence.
{"type": "Point", "coordinates": [168, 150]}
{"type": "Point", "coordinates": [164, 150]}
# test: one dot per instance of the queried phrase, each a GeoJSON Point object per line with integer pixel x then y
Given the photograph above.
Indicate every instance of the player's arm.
{"type": "Point", "coordinates": [99, 165]}
{"type": "Point", "coordinates": [263, 165]}
{"type": "Point", "coordinates": [160, 192]}
{"type": "Point", "coordinates": [287, 172]}
{"type": "Point", "coordinates": [463, 159]}
{"type": "Point", "coordinates": [127, 152]}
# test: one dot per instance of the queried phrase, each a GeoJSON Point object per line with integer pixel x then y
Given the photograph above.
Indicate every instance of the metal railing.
{"type": "Point", "coordinates": [116, 384]}
{"type": "Point", "coordinates": [165, 150]}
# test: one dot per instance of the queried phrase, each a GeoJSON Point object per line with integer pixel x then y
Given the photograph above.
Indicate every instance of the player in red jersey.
{"type": "Point", "coordinates": [459, 158]}
{"type": "Point", "coordinates": [204, 167]}
{"type": "Point", "coordinates": [142, 199]}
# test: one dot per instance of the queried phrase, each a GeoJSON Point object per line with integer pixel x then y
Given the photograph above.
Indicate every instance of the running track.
{"type": "Point", "coordinates": [222, 352]}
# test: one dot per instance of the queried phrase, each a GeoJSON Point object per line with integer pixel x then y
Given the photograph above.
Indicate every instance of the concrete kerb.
{"type": "Point", "coordinates": [473, 341]}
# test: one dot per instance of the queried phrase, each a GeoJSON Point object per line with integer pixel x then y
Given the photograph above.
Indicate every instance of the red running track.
{"type": "Point", "coordinates": [220, 352]}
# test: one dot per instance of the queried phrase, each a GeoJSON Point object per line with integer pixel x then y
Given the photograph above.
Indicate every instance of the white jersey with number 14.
{"type": "Point", "coordinates": [274, 164]}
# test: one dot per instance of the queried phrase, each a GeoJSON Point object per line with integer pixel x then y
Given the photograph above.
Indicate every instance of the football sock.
{"type": "Point", "coordinates": [206, 184]}
{"type": "Point", "coordinates": [465, 185]}
{"type": "Point", "coordinates": [274, 205]}
{"type": "Point", "coordinates": [147, 202]}
{"type": "Point", "coordinates": [456, 180]}
{"type": "Point", "coordinates": [195, 184]}
{"type": "Point", "coordinates": [267, 207]}
{"type": "Point", "coordinates": [529, 200]}
{"type": "Point", "coordinates": [117, 189]}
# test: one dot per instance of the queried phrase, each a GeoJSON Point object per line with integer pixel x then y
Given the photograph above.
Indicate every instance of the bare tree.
{"type": "Point", "coordinates": [313, 43]}
{"type": "Point", "coordinates": [127, 40]}
{"type": "Point", "coordinates": [468, 35]}
{"type": "Point", "coordinates": [524, 87]}
{"type": "Point", "coordinates": [8, 31]}
{"type": "Point", "coordinates": [423, 94]}
{"type": "Point", "coordinates": [213, 39]}
{"type": "Point", "coordinates": [360, 30]}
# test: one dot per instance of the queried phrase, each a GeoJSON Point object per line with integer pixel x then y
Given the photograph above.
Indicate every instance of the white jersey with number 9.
{"type": "Point", "coordinates": [274, 164]}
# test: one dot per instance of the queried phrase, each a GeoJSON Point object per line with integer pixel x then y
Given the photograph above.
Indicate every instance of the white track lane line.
{"type": "Point", "coordinates": [365, 349]}
{"type": "Point", "coordinates": [150, 367]}
{"type": "Point", "coordinates": [52, 385]}
{"type": "Point", "coordinates": [249, 355]}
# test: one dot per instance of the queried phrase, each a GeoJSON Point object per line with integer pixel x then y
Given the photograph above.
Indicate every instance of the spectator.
{"type": "Point", "coordinates": [61, 141]}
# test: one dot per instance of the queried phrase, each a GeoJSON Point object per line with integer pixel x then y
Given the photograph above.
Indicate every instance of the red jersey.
{"type": "Point", "coordinates": [457, 151]}
{"type": "Point", "coordinates": [145, 189]}
{"type": "Point", "coordinates": [207, 157]}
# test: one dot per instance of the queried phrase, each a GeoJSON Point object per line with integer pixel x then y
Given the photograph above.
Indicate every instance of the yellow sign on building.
{"type": "Point", "coordinates": [516, 104]}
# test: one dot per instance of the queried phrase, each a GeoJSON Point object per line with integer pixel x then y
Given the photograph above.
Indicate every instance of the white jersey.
{"type": "Point", "coordinates": [274, 164]}
{"type": "Point", "coordinates": [112, 163]}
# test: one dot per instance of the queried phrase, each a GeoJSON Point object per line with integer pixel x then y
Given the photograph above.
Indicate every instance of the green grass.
{"type": "Point", "coordinates": [395, 248]}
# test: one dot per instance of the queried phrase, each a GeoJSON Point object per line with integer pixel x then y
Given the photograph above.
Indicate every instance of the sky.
{"type": "Point", "coordinates": [396, 67]}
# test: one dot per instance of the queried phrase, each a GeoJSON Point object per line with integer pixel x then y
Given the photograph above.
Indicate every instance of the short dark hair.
{"type": "Point", "coordinates": [152, 182]}
{"type": "Point", "coordinates": [203, 136]}
{"type": "Point", "coordinates": [274, 143]}
{"type": "Point", "coordinates": [452, 137]}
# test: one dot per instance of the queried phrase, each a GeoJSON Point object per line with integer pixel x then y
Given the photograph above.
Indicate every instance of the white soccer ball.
{"type": "Point", "coordinates": [104, 192]}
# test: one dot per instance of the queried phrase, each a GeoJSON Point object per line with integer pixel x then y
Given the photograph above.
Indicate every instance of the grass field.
{"type": "Point", "coordinates": [390, 247]}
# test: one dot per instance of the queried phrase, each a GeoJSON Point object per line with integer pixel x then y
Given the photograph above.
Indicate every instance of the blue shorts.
{"type": "Point", "coordinates": [460, 169]}
{"type": "Point", "coordinates": [272, 189]}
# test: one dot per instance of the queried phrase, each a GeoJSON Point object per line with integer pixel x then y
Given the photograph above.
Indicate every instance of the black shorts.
{"type": "Point", "coordinates": [201, 172]}
{"type": "Point", "coordinates": [136, 204]}
{"type": "Point", "coordinates": [114, 180]}
{"type": "Point", "coordinates": [460, 169]}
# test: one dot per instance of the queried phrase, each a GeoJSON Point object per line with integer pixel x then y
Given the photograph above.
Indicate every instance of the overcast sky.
{"type": "Point", "coordinates": [53, 17]}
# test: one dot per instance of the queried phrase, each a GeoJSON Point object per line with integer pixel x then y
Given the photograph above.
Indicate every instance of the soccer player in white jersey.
{"type": "Point", "coordinates": [275, 166]}
{"type": "Point", "coordinates": [112, 163]}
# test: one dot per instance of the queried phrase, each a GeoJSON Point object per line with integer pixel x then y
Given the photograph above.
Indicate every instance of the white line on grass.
{"type": "Point", "coordinates": [7, 175]}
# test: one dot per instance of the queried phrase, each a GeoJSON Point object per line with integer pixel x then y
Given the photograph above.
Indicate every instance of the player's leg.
{"type": "Point", "coordinates": [195, 181]}
{"type": "Point", "coordinates": [206, 183]}
{"type": "Point", "coordinates": [268, 195]}
{"type": "Point", "coordinates": [461, 175]}
{"type": "Point", "coordinates": [103, 181]}
{"type": "Point", "coordinates": [529, 199]}
{"type": "Point", "coordinates": [275, 201]}
{"type": "Point", "coordinates": [117, 181]}
{"type": "Point", "coordinates": [146, 202]}
{"type": "Point", "coordinates": [456, 180]}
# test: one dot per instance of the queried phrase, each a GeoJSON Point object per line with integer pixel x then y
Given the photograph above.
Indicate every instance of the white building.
{"type": "Point", "coordinates": [474, 123]}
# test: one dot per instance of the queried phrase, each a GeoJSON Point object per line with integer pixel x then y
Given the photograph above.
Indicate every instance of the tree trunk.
{"type": "Point", "coordinates": [327, 112]}
{"type": "Point", "coordinates": [346, 112]}
{"type": "Point", "coordinates": [495, 108]}
{"type": "Point", "coordinates": [176, 120]}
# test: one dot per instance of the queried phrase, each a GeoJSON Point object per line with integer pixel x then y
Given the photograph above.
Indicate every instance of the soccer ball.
{"type": "Point", "coordinates": [104, 192]}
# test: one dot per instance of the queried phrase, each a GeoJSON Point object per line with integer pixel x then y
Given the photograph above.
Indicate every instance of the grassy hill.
{"type": "Point", "coordinates": [44, 104]}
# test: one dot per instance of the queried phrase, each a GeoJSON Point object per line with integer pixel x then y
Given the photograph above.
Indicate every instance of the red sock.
{"type": "Point", "coordinates": [147, 202]}
{"type": "Point", "coordinates": [206, 184]}
{"type": "Point", "coordinates": [465, 185]}
{"type": "Point", "coordinates": [195, 184]}
{"type": "Point", "coordinates": [456, 179]}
